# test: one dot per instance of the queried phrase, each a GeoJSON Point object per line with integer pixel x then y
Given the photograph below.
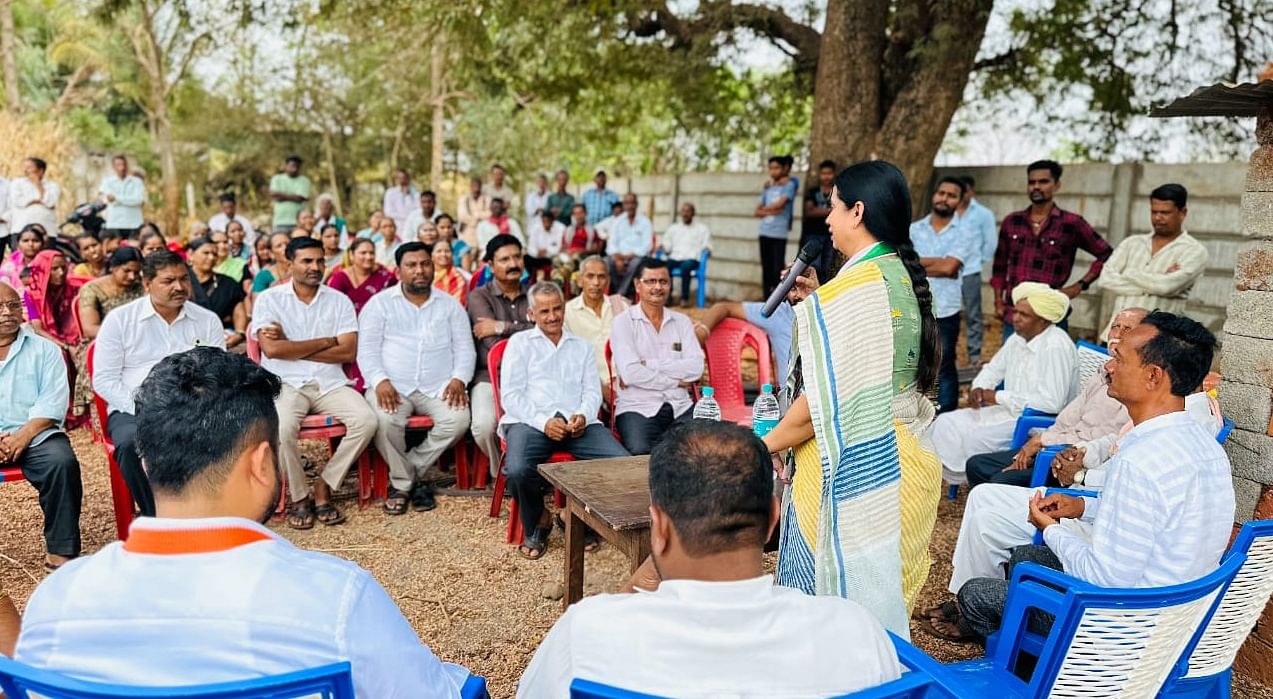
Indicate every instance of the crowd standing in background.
{"type": "Point", "coordinates": [377, 323]}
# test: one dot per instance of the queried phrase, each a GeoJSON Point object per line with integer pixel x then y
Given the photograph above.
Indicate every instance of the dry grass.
{"type": "Point", "coordinates": [467, 593]}
{"type": "Point", "coordinates": [22, 137]}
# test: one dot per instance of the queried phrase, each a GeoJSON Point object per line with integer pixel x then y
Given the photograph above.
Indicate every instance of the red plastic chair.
{"type": "Point", "coordinates": [515, 531]}
{"type": "Point", "coordinates": [121, 499]}
{"type": "Point", "coordinates": [724, 365]}
{"type": "Point", "coordinates": [380, 467]}
{"type": "Point", "coordinates": [327, 428]}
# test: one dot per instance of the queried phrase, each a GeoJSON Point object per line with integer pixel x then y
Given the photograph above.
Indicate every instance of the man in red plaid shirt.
{"type": "Point", "coordinates": [1038, 244]}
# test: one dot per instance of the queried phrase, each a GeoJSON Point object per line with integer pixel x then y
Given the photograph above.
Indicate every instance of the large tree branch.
{"type": "Point", "coordinates": [716, 17]}
{"type": "Point", "coordinates": [998, 61]}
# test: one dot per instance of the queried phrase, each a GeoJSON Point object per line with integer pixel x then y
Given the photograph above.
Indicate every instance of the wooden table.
{"type": "Point", "coordinates": [613, 497]}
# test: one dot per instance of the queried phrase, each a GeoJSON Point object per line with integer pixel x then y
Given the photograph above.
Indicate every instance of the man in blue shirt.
{"type": "Point", "coordinates": [981, 221]}
{"type": "Point", "coordinates": [34, 393]}
{"type": "Point", "coordinates": [945, 248]}
{"type": "Point", "coordinates": [599, 201]}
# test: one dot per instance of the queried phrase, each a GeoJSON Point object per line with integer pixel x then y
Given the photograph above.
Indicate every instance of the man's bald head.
{"type": "Point", "coordinates": [8, 293]}
{"type": "Point", "coordinates": [1124, 321]}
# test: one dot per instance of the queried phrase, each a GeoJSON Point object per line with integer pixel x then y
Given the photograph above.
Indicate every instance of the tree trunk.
{"type": "Point", "coordinates": [330, 157]}
{"type": "Point", "coordinates": [9, 56]}
{"type": "Point", "coordinates": [891, 95]}
{"type": "Point", "coordinates": [437, 89]}
{"type": "Point", "coordinates": [167, 153]}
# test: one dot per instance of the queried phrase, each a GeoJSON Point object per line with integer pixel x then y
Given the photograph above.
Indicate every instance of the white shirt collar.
{"type": "Point", "coordinates": [715, 591]}
{"type": "Point", "coordinates": [148, 310]}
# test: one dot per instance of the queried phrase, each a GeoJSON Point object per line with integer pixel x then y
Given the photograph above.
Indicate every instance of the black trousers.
{"type": "Point", "coordinates": [527, 447]}
{"type": "Point", "coordinates": [947, 372]}
{"type": "Point", "coordinates": [122, 429]}
{"type": "Point", "coordinates": [773, 254]}
{"type": "Point", "coordinates": [989, 468]}
{"type": "Point", "coordinates": [52, 468]}
{"type": "Point", "coordinates": [640, 433]}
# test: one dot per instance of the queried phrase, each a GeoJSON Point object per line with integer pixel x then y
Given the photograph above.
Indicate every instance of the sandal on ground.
{"type": "Point", "coordinates": [962, 632]}
{"type": "Point", "coordinates": [396, 501]}
{"type": "Point", "coordinates": [300, 515]}
{"type": "Point", "coordinates": [422, 499]}
{"type": "Point", "coordinates": [50, 566]}
{"type": "Point", "coordinates": [534, 544]}
{"type": "Point", "coordinates": [946, 611]}
{"type": "Point", "coordinates": [328, 514]}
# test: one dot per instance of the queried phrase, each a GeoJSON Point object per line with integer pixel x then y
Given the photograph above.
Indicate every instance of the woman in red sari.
{"type": "Point", "coordinates": [445, 276]}
{"type": "Point", "coordinates": [360, 277]}
{"type": "Point", "coordinates": [52, 294]}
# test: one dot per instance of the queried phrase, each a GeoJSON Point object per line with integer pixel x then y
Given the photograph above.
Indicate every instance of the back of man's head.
{"type": "Point", "coordinates": [197, 412]}
{"type": "Point", "coordinates": [1183, 347]}
{"type": "Point", "coordinates": [714, 481]}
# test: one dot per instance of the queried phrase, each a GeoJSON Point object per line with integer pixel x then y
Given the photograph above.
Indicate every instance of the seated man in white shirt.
{"type": "Point", "coordinates": [684, 242]}
{"type": "Point", "coordinates": [307, 330]}
{"type": "Point", "coordinates": [1165, 512]}
{"type": "Point", "coordinates": [630, 240]}
{"type": "Point", "coordinates": [203, 593]}
{"type": "Point", "coordinates": [591, 314]}
{"type": "Point", "coordinates": [550, 395]}
{"type": "Point", "coordinates": [657, 359]}
{"type": "Point", "coordinates": [543, 243]}
{"type": "Point", "coordinates": [415, 350]}
{"type": "Point", "coordinates": [132, 339]}
{"type": "Point", "coordinates": [1038, 367]}
{"type": "Point", "coordinates": [714, 621]}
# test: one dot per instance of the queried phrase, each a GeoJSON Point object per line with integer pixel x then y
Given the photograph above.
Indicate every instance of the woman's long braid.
{"type": "Point", "coordinates": [929, 345]}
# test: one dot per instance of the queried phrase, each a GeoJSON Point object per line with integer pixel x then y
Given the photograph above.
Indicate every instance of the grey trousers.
{"type": "Point", "coordinates": [405, 468]}
{"type": "Point", "coordinates": [972, 316]}
{"type": "Point", "coordinates": [982, 600]}
{"type": "Point", "coordinates": [482, 424]}
{"type": "Point", "coordinates": [348, 407]}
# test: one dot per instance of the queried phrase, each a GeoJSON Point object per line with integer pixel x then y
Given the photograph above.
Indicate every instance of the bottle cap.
{"type": "Point", "coordinates": [767, 388]}
{"type": "Point", "coordinates": [707, 391]}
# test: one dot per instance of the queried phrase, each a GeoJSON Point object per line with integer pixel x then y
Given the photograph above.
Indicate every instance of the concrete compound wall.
{"type": "Point", "coordinates": [1113, 198]}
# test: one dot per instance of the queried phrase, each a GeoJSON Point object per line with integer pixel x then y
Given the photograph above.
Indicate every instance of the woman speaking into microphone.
{"type": "Point", "coordinates": [859, 513]}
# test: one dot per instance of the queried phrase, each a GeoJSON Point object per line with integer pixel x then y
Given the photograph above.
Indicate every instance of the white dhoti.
{"type": "Point", "coordinates": [996, 519]}
{"type": "Point", "coordinates": [966, 432]}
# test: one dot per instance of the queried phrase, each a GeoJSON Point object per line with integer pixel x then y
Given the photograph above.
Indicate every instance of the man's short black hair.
{"type": "Point", "coordinates": [295, 159]}
{"type": "Point", "coordinates": [970, 182]}
{"type": "Point", "coordinates": [409, 247]}
{"type": "Point", "coordinates": [429, 193]}
{"type": "Point", "coordinates": [715, 482]}
{"type": "Point", "coordinates": [197, 410]}
{"type": "Point", "coordinates": [497, 199]}
{"type": "Point", "coordinates": [827, 165]}
{"type": "Point", "coordinates": [1174, 193]}
{"type": "Point", "coordinates": [1183, 348]}
{"type": "Point", "coordinates": [957, 181]}
{"type": "Point", "coordinates": [39, 163]}
{"type": "Point", "coordinates": [498, 242]}
{"type": "Point", "coordinates": [157, 260]}
{"type": "Point", "coordinates": [295, 245]}
{"type": "Point", "coordinates": [1051, 166]}
{"type": "Point", "coordinates": [650, 263]}
{"type": "Point", "coordinates": [228, 197]}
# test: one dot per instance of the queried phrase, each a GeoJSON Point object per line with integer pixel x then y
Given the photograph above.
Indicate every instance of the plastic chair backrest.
{"type": "Point", "coordinates": [253, 347]}
{"type": "Point", "coordinates": [724, 359]}
{"type": "Point", "coordinates": [493, 360]}
{"type": "Point", "coordinates": [122, 499]}
{"type": "Point", "coordinates": [1105, 642]}
{"type": "Point", "coordinates": [1225, 429]}
{"type": "Point", "coordinates": [329, 681]}
{"type": "Point", "coordinates": [1091, 359]}
{"type": "Point", "coordinates": [1243, 601]}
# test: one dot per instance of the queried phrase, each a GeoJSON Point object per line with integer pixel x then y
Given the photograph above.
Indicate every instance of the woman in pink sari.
{"type": "Point", "coordinates": [30, 243]}
{"type": "Point", "coordinates": [360, 277]}
{"type": "Point", "coordinates": [52, 293]}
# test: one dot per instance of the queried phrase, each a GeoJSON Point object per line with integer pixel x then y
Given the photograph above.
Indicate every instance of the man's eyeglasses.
{"type": "Point", "coordinates": [657, 282]}
{"type": "Point", "coordinates": [12, 307]}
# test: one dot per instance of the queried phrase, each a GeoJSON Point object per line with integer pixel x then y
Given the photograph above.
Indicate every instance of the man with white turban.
{"type": "Point", "coordinates": [1037, 367]}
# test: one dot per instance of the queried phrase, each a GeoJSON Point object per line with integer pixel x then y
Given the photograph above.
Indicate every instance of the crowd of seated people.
{"type": "Point", "coordinates": [375, 326]}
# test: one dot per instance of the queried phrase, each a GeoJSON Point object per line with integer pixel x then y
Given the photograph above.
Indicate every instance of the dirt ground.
{"type": "Point", "coordinates": [467, 593]}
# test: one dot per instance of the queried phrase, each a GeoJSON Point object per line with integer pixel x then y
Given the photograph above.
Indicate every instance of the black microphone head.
{"type": "Point", "coordinates": [810, 251]}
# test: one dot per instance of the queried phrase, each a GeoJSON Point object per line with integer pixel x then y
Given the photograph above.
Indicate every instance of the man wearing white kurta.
{"type": "Point", "coordinates": [33, 199]}
{"type": "Point", "coordinates": [1157, 270]}
{"type": "Point", "coordinates": [205, 592]}
{"type": "Point", "coordinates": [415, 349]}
{"type": "Point", "coordinates": [704, 613]}
{"type": "Point", "coordinates": [550, 394]}
{"type": "Point", "coordinates": [400, 201]}
{"type": "Point", "coordinates": [1038, 367]}
{"type": "Point", "coordinates": [1166, 512]}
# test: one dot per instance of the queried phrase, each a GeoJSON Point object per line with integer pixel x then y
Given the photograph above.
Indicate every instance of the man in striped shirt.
{"type": "Point", "coordinates": [1166, 511]}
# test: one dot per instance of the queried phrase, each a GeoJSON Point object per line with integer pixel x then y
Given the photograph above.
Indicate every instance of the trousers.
{"type": "Point", "coordinates": [344, 404]}
{"type": "Point", "coordinates": [406, 467]}
{"type": "Point", "coordinates": [996, 520]}
{"type": "Point", "coordinates": [686, 267]}
{"type": "Point", "coordinates": [976, 328]}
{"type": "Point", "coordinates": [964, 433]}
{"type": "Point", "coordinates": [983, 600]}
{"type": "Point", "coordinates": [773, 253]}
{"type": "Point", "coordinates": [482, 414]}
{"type": "Point", "coordinates": [989, 468]}
{"type": "Point", "coordinates": [528, 447]}
{"type": "Point", "coordinates": [947, 373]}
{"type": "Point", "coordinates": [640, 433]}
{"type": "Point", "coordinates": [52, 468]}
{"type": "Point", "coordinates": [122, 428]}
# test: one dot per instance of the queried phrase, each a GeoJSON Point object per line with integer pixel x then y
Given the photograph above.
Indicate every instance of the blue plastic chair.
{"type": "Point", "coordinates": [1206, 673]}
{"type": "Point", "coordinates": [1103, 642]}
{"type": "Point", "coordinates": [329, 681]}
{"type": "Point", "coordinates": [701, 272]}
{"type": "Point", "coordinates": [920, 681]}
{"type": "Point", "coordinates": [1091, 359]}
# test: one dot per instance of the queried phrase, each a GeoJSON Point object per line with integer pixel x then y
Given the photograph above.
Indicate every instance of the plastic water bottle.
{"type": "Point", "coordinates": [707, 408]}
{"type": "Point", "coordinates": [765, 412]}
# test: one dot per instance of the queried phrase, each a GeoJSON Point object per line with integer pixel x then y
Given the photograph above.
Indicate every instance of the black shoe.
{"type": "Point", "coordinates": [422, 499]}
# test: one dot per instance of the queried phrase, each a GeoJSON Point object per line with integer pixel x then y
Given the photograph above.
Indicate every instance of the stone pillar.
{"type": "Point", "coordinates": [1246, 394]}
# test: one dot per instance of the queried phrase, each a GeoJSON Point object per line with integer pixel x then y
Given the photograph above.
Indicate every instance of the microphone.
{"type": "Point", "coordinates": [808, 254]}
